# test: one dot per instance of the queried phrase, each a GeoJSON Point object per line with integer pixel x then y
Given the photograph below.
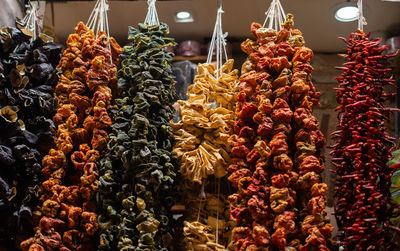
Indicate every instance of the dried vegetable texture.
{"type": "Point", "coordinates": [201, 222]}
{"type": "Point", "coordinates": [362, 148]}
{"type": "Point", "coordinates": [28, 76]}
{"type": "Point", "coordinates": [206, 123]}
{"type": "Point", "coordinates": [394, 164]}
{"type": "Point", "coordinates": [137, 184]}
{"type": "Point", "coordinates": [276, 158]}
{"type": "Point", "coordinates": [202, 150]}
{"type": "Point", "coordinates": [84, 94]}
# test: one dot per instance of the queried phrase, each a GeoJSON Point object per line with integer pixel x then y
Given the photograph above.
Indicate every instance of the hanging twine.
{"type": "Point", "coordinates": [218, 42]}
{"type": "Point", "coordinates": [216, 227]}
{"type": "Point", "coordinates": [152, 16]}
{"type": "Point", "coordinates": [275, 16]}
{"type": "Point", "coordinates": [361, 19]}
{"type": "Point", "coordinates": [30, 23]}
{"type": "Point", "coordinates": [202, 196]}
{"type": "Point", "coordinates": [98, 20]}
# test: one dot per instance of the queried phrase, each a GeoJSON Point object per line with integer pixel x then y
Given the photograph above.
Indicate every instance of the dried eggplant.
{"type": "Point", "coordinates": [26, 130]}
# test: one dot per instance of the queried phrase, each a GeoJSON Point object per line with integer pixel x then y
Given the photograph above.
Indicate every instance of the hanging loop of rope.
{"type": "Point", "coordinates": [98, 19]}
{"type": "Point", "coordinates": [218, 43]}
{"type": "Point", "coordinates": [152, 16]}
{"type": "Point", "coordinates": [30, 22]}
{"type": "Point", "coordinates": [361, 19]}
{"type": "Point", "coordinates": [275, 16]}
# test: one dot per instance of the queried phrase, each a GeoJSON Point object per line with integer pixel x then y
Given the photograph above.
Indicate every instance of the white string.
{"type": "Point", "coordinates": [152, 16]}
{"type": "Point", "coordinates": [216, 228]}
{"type": "Point", "coordinates": [92, 21]}
{"type": "Point", "coordinates": [361, 19]}
{"type": "Point", "coordinates": [202, 195]}
{"type": "Point", "coordinates": [218, 42]}
{"type": "Point", "coordinates": [98, 20]}
{"type": "Point", "coordinates": [30, 21]}
{"type": "Point", "coordinates": [275, 16]}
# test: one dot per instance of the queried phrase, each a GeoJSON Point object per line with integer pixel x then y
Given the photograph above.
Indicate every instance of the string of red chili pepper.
{"type": "Point", "coordinates": [275, 206]}
{"type": "Point", "coordinates": [68, 212]}
{"type": "Point", "coordinates": [362, 147]}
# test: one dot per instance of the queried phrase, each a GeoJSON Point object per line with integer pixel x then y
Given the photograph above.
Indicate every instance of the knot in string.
{"type": "Point", "coordinates": [98, 19]}
{"type": "Point", "coordinates": [31, 22]}
{"type": "Point", "coordinates": [151, 16]}
{"type": "Point", "coordinates": [218, 42]}
{"type": "Point", "coordinates": [361, 19]}
{"type": "Point", "coordinates": [275, 16]}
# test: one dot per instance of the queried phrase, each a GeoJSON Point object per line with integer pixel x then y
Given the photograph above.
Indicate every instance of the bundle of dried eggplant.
{"type": "Point", "coordinates": [27, 77]}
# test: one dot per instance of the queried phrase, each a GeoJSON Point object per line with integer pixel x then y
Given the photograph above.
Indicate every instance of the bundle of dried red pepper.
{"type": "Point", "coordinates": [28, 76]}
{"type": "Point", "coordinates": [276, 164]}
{"type": "Point", "coordinates": [84, 94]}
{"type": "Point", "coordinates": [363, 147]}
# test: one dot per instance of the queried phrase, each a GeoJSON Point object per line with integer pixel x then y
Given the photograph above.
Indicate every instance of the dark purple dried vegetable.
{"type": "Point", "coordinates": [27, 77]}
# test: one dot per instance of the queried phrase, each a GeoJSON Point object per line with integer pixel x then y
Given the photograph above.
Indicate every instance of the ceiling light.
{"type": "Point", "coordinates": [183, 17]}
{"type": "Point", "coordinates": [347, 13]}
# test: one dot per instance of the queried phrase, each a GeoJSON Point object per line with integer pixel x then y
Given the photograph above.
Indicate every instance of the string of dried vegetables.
{"type": "Point", "coordinates": [202, 219]}
{"type": "Point", "coordinates": [201, 150]}
{"type": "Point", "coordinates": [27, 80]}
{"type": "Point", "coordinates": [362, 148]}
{"type": "Point", "coordinates": [84, 95]}
{"type": "Point", "coordinates": [201, 135]}
{"type": "Point", "coordinates": [276, 164]}
{"type": "Point", "coordinates": [137, 177]}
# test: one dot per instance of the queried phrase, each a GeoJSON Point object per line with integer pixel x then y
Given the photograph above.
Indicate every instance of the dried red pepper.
{"type": "Point", "coordinates": [276, 165]}
{"type": "Point", "coordinates": [362, 147]}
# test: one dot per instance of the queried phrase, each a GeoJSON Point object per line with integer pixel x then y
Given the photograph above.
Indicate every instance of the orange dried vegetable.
{"type": "Point", "coordinates": [84, 95]}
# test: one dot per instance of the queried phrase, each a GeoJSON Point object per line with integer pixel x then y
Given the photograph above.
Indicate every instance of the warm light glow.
{"type": "Point", "coordinates": [347, 14]}
{"type": "Point", "coordinates": [183, 15]}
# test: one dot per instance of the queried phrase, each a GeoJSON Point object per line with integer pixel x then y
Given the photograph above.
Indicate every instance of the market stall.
{"type": "Point", "coordinates": [241, 142]}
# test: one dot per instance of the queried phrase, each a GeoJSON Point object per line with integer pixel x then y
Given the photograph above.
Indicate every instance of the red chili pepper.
{"type": "Point", "coordinates": [363, 147]}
